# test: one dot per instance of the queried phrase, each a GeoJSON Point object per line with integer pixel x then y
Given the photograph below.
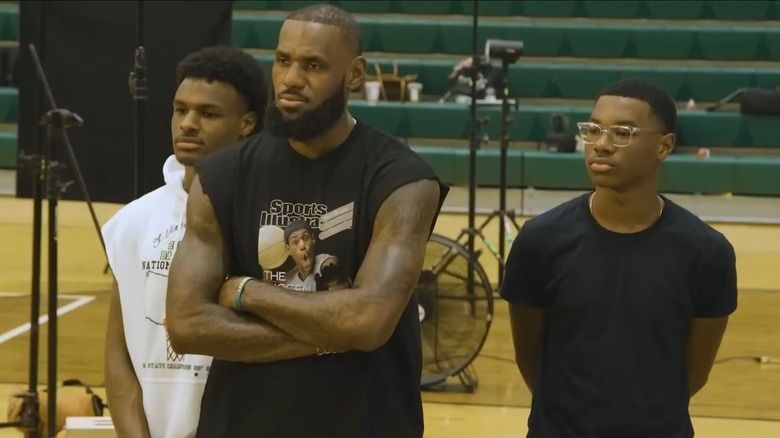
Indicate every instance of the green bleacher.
{"type": "Point", "coordinates": [452, 35]}
{"type": "Point", "coordinates": [738, 175]}
{"type": "Point", "coordinates": [700, 50]}
{"type": "Point", "coordinates": [451, 121]}
{"type": "Point", "coordinates": [580, 80]}
{"type": "Point", "coordinates": [666, 10]}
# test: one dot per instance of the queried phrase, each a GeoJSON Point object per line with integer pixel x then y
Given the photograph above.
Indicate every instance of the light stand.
{"type": "Point", "coordinates": [509, 52]}
{"type": "Point", "coordinates": [468, 378]}
{"type": "Point", "coordinates": [474, 144]}
{"type": "Point", "coordinates": [47, 173]}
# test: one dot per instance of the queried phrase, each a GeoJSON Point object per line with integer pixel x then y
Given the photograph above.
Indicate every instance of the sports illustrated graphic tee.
{"type": "Point", "coordinates": [306, 225]}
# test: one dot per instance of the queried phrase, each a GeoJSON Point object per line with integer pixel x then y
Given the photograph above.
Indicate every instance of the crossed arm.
{"type": "Point", "coordinates": [196, 323]}
{"type": "Point", "coordinates": [281, 323]}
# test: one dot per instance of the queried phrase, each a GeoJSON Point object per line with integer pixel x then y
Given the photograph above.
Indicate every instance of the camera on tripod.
{"type": "Point", "coordinates": [506, 51]}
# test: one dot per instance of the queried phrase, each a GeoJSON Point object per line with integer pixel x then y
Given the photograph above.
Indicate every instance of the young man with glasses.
{"type": "Point", "coordinates": [619, 298]}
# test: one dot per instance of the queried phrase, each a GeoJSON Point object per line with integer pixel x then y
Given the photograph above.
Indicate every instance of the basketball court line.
{"type": "Point", "coordinates": [78, 301]}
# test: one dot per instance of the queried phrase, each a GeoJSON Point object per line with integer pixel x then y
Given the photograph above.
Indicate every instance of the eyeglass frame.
{"type": "Point", "coordinates": [632, 129]}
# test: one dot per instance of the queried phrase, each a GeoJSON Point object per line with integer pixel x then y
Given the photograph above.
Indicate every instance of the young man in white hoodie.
{"type": "Point", "coordinates": [152, 391]}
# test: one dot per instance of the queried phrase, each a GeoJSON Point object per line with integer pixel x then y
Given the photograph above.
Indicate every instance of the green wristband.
{"type": "Point", "coordinates": [240, 290]}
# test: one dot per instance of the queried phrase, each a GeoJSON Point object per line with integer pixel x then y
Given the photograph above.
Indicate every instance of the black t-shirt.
{"type": "Point", "coordinates": [260, 188]}
{"type": "Point", "coordinates": [618, 307]}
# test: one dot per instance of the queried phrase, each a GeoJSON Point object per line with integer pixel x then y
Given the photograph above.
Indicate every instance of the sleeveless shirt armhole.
{"type": "Point", "coordinates": [399, 168]}
{"type": "Point", "coordinates": [217, 173]}
{"type": "Point", "coordinates": [113, 231]}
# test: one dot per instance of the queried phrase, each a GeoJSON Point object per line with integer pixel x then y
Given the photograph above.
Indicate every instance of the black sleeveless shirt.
{"type": "Point", "coordinates": [258, 187]}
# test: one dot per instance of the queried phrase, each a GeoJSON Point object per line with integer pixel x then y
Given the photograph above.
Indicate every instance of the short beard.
{"type": "Point", "coordinates": [306, 125]}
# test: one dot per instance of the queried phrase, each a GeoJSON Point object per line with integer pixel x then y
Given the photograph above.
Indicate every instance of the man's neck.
{"type": "Point", "coordinates": [189, 177]}
{"type": "Point", "coordinates": [328, 141]}
{"type": "Point", "coordinates": [626, 212]}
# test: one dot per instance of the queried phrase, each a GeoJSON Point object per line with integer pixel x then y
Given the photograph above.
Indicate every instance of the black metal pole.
{"type": "Point", "coordinates": [35, 294]}
{"type": "Point", "coordinates": [138, 89]}
{"type": "Point", "coordinates": [474, 145]}
{"type": "Point", "coordinates": [56, 121]}
{"type": "Point", "coordinates": [505, 122]}
{"type": "Point", "coordinates": [52, 187]}
{"type": "Point", "coordinates": [39, 171]}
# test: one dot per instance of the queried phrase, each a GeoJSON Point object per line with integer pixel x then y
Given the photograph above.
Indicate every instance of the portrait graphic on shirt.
{"type": "Point", "coordinates": [293, 249]}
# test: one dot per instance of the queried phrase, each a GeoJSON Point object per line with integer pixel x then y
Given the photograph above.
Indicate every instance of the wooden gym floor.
{"type": "Point", "coordinates": [742, 398]}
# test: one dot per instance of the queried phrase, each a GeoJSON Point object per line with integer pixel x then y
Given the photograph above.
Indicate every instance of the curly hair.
{"type": "Point", "coordinates": [233, 66]}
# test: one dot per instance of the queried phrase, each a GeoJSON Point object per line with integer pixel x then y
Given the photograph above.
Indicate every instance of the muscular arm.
{"type": "Point", "coordinates": [364, 316]}
{"type": "Point", "coordinates": [123, 392]}
{"type": "Point", "coordinates": [527, 325]}
{"type": "Point", "coordinates": [704, 338]}
{"type": "Point", "coordinates": [196, 323]}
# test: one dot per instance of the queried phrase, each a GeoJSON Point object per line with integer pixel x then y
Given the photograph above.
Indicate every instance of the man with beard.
{"type": "Point", "coordinates": [343, 362]}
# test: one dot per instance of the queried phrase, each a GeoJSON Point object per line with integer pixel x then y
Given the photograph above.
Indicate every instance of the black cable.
{"type": "Point", "coordinates": [757, 359]}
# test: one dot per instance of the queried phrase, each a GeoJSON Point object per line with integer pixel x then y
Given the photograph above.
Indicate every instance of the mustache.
{"type": "Point", "coordinates": [187, 139]}
{"type": "Point", "coordinates": [294, 93]}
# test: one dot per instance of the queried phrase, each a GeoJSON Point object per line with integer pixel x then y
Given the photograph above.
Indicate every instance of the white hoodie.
{"type": "Point", "coordinates": [141, 240]}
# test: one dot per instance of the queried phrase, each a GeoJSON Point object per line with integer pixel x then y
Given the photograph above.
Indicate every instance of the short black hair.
{"type": "Point", "coordinates": [331, 15]}
{"type": "Point", "coordinates": [662, 105]}
{"type": "Point", "coordinates": [296, 225]}
{"type": "Point", "coordinates": [233, 66]}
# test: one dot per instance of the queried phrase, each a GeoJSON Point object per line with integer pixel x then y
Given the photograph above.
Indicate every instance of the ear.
{"type": "Point", "coordinates": [248, 123]}
{"type": "Point", "coordinates": [357, 73]}
{"type": "Point", "coordinates": [666, 146]}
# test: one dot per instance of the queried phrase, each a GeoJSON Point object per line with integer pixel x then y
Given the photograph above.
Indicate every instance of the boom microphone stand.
{"type": "Point", "coordinates": [48, 184]}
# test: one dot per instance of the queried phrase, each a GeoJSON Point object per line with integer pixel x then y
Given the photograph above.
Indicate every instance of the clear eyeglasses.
{"type": "Point", "coordinates": [619, 136]}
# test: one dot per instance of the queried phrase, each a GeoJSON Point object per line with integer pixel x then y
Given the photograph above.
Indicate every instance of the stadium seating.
{"type": "Point", "coordinates": [566, 171]}
{"type": "Point", "coordinates": [543, 38]}
{"type": "Point", "coordinates": [701, 50]}
{"type": "Point", "coordinates": [679, 10]}
{"type": "Point", "coordinates": [451, 121]}
{"type": "Point", "coordinates": [537, 79]}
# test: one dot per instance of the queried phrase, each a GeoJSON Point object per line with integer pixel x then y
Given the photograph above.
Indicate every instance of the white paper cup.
{"type": "Point", "coordinates": [414, 91]}
{"type": "Point", "coordinates": [372, 91]}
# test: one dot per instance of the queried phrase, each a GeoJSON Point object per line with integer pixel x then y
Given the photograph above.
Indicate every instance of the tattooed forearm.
{"type": "Point", "coordinates": [364, 315]}
{"type": "Point", "coordinates": [196, 323]}
{"type": "Point", "coordinates": [227, 335]}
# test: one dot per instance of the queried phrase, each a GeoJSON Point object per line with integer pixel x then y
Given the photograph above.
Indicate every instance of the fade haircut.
{"type": "Point", "coordinates": [332, 16]}
{"type": "Point", "coordinates": [662, 105]}
{"type": "Point", "coordinates": [232, 66]}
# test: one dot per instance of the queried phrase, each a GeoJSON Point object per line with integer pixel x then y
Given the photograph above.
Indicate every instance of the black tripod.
{"type": "Point", "coordinates": [48, 184]}
{"type": "Point", "coordinates": [508, 52]}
